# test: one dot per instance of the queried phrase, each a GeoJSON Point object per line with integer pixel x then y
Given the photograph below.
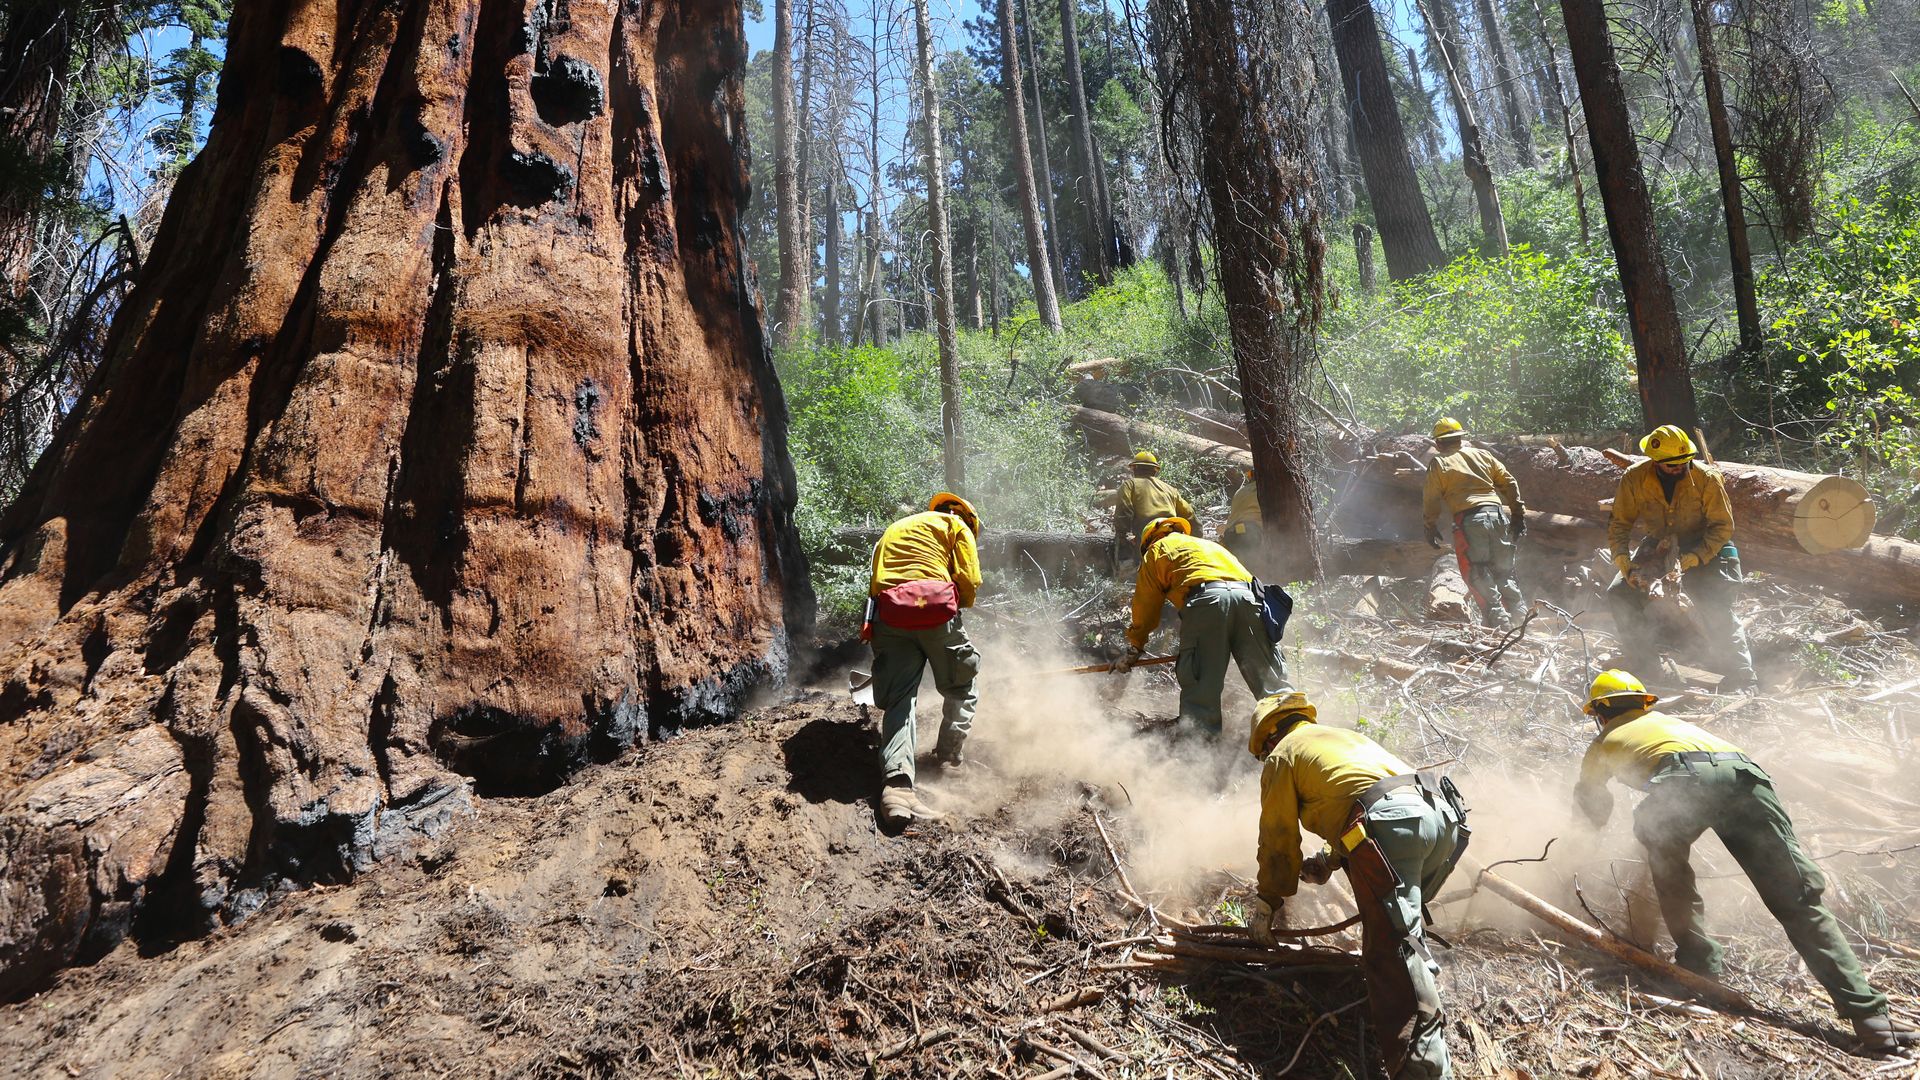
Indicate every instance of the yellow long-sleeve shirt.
{"type": "Point", "coordinates": [1629, 750]}
{"type": "Point", "coordinates": [1168, 571]}
{"type": "Point", "coordinates": [1310, 780]}
{"type": "Point", "coordinates": [1143, 498]}
{"type": "Point", "coordinates": [1244, 510]}
{"type": "Point", "coordinates": [1464, 479]}
{"type": "Point", "coordinates": [929, 546]}
{"type": "Point", "coordinates": [1699, 517]}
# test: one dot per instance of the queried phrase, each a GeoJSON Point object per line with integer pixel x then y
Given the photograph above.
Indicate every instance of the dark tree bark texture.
{"type": "Point", "coordinates": [438, 451]}
{"type": "Point", "coordinates": [1399, 209]}
{"type": "Point", "coordinates": [1255, 84]}
{"type": "Point", "coordinates": [1659, 346]}
{"type": "Point", "coordinates": [1746, 303]}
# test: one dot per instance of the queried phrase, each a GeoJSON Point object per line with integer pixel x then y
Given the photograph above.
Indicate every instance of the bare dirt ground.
{"type": "Point", "coordinates": [722, 904]}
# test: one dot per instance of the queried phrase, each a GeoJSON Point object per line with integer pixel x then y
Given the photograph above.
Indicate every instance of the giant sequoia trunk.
{"type": "Point", "coordinates": [1399, 209]}
{"type": "Point", "coordinates": [440, 438]}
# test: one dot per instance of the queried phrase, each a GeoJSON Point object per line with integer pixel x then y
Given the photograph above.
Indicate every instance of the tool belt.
{"type": "Point", "coordinates": [1362, 853]}
{"type": "Point", "coordinates": [1213, 586]}
{"type": "Point", "coordinates": [1687, 759]}
{"type": "Point", "coordinates": [1703, 757]}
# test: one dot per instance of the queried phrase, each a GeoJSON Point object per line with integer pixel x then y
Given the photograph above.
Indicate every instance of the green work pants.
{"type": "Point", "coordinates": [1218, 620]}
{"type": "Point", "coordinates": [1244, 540]}
{"type": "Point", "coordinates": [1736, 800]}
{"type": "Point", "coordinates": [899, 657]}
{"type": "Point", "coordinates": [1485, 550]}
{"type": "Point", "coordinates": [1714, 586]}
{"type": "Point", "coordinates": [1418, 838]}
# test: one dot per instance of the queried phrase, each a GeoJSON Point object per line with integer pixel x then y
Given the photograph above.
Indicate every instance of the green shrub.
{"type": "Point", "coordinates": [1527, 342]}
{"type": "Point", "coordinates": [1843, 320]}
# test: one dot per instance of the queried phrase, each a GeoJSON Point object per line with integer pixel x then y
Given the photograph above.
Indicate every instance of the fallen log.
{"type": "Point", "coordinates": [1716, 994]}
{"type": "Point", "coordinates": [1118, 434]}
{"type": "Point", "coordinates": [1000, 549]}
{"type": "Point", "coordinates": [1021, 550]}
{"type": "Point", "coordinates": [1880, 571]}
{"type": "Point", "coordinates": [1776, 508]}
{"type": "Point", "coordinates": [1447, 591]}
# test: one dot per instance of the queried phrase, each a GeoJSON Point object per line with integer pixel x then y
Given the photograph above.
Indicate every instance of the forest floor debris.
{"type": "Point", "coordinates": [723, 904]}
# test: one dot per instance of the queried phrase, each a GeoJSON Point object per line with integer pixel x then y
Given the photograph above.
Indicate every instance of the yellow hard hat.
{"type": "Point", "coordinates": [1612, 684]}
{"type": "Point", "coordinates": [1146, 457]}
{"type": "Point", "coordinates": [1161, 526]}
{"type": "Point", "coordinates": [1668, 443]}
{"type": "Point", "coordinates": [1447, 428]}
{"type": "Point", "coordinates": [1267, 716]}
{"type": "Point", "coordinates": [947, 500]}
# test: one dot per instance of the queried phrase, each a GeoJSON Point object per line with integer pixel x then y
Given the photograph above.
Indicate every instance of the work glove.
{"type": "Point", "coordinates": [1689, 561]}
{"type": "Point", "coordinates": [1433, 537]}
{"type": "Point", "coordinates": [1518, 526]}
{"type": "Point", "coordinates": [1260, 923]}
{"type": "Point", "coordinates": [1125, 663]}
{"type": "Point", "coordinates": [1317, 870]}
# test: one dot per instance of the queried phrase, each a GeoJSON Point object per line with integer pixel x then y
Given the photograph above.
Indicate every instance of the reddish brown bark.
{"type": "Point", "coordinates": [440, 438]}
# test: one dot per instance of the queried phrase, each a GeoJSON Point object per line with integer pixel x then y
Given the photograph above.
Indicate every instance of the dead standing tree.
{"type": "Point", "coordinates": [1256, 106]}
{"type": "Point", "coordinates": [439, 437]}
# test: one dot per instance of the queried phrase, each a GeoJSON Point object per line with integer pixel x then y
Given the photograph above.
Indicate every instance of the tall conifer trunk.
{"type": "Point", "coordinates": [1659, 346]}
{"type": "Point", "coordinates": [1386, 165]}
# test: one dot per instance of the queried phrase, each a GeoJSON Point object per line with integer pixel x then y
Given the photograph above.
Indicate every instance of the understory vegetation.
{"type": "Point", "coordinates": [1534, 342]}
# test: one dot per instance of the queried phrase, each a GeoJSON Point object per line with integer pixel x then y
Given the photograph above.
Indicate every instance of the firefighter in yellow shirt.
{"type": "Point", "coordinates": [1682, 503]}
{"type": "Point", "coordinates": [1219, 618]}
{"type": "Point", "coordinates": [1241, 534]}
{"type": "Point", "coordinates": [1397, 833]}
{"type": "Point", "coordinates": [1476, 491]}
{"type": "Point", "coordinates": [1142, 498]}
{"type": "Point", "coordinates": [926, 569]}
{"type": "Point", "coordinates": [1696, 781]}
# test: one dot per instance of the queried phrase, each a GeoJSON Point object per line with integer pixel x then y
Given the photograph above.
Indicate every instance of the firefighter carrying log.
{"type": "Point", "coordinates": [1142, 498]}
{"type": "Point", "coordinates": [926, 568]}
{"type": "Point", "coordinates": [1220, 617]}
{"type": "Point", "coordinates": [1397, 833]}
{"type": "Point", "coordinates": [1479, 493]}
{"type": "Point", "coordinates": [1696, 781]}
{"type": "Point", "coordinates": [1681, 506]}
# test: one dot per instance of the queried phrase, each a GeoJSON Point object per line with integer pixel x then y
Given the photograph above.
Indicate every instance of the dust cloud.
{"type": "Point", "coordinates": [1185, 808]}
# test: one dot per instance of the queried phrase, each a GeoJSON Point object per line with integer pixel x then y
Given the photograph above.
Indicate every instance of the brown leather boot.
{"type": "Point", "coordinates": [1883, 1034]}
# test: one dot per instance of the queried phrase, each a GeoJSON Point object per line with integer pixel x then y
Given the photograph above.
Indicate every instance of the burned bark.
{"type": "Point", "coordinates": [1258, 173]}
{"type": "Point", "coordinates": [439, 438]}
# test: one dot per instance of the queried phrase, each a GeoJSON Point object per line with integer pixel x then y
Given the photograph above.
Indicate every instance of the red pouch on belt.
{"type": "Point", "coordinates": [918, 605]}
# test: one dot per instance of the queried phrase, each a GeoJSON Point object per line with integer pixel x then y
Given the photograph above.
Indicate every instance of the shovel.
{"type": "Point", "coordinates": [860, 685]}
